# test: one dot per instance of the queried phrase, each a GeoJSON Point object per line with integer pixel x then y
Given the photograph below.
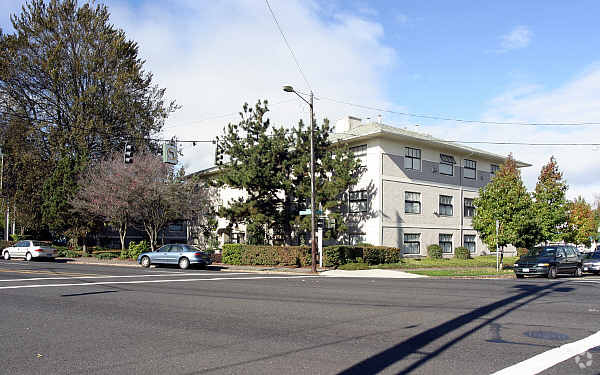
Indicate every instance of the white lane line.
{"type": "Point", "coordinates": [123, 276]}
{"type": "Point", "coordinates": [152, 281]}
{"type": "Point", "coordinates": [550, 358]}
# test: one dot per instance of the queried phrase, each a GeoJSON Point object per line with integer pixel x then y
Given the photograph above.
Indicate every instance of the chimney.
{"type": "Point", "coordinates": [346, 124]}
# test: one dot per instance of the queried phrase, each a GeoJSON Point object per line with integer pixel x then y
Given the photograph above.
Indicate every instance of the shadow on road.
{"type": "Point", "coordinates": [388, 357]}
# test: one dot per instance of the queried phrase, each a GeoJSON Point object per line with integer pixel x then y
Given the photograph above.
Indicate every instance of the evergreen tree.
{"type": "Point", "coordinates": [505, 199]}
{"type": "Point", "coordinates": [550, 204]}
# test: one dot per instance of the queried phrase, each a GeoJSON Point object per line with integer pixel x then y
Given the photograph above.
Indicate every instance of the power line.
{"type": "Point", "coordinates": [288, 44]}
{"type": "Point", "coordinates": [432, 117]}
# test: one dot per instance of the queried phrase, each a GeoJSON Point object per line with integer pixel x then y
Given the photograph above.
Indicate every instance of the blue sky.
{"type": "Point", "coordinates": [534, 61]}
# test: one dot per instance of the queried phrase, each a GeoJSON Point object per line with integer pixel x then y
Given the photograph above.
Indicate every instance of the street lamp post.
{"type": "Point", "coordinates": [313, 252]}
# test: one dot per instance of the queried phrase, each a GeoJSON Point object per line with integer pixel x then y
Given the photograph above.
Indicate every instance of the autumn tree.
{"type": "Point", "coordinates": [505, 199]}
{"type": "Point", "coordinates": [550, 204]}
{"type": "Point", "coordinates": [581, 222]}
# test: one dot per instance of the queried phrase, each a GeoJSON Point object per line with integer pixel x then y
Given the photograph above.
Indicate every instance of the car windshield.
{"type": "Point", "coordinates": [542, 252]}
{"type": "Point", "coordinates": [595, 255]}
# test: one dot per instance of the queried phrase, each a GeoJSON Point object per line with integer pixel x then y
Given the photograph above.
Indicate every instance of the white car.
{"type": "Point", "coordinates": [29, 249]}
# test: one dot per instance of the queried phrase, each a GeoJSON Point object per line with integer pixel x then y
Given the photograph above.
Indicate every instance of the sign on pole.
{"type": "Point", "coordinates": [170, 153]}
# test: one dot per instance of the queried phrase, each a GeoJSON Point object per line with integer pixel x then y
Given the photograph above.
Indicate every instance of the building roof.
{"type": "Point", "coordinates": [374, 129]}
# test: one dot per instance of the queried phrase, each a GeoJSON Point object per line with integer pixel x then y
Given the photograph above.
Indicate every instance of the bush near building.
{"type": "Point", "coordinates": [434, 251]}
{"type": "Point", "coordinates": [337, 255]}
{"type": "Point", "coordinates": [262, 255]}
{"type": "Point", "coordinates": [462, 253]}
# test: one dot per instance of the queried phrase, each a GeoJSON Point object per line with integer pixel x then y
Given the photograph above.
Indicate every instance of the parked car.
{"type": "Point", "coordinates": [180, 254]}
{"type": "Point", "coordinates": [29, 249]}
{"type": "Point", "coordinates": [591, 262]}
{"type": "Point", "coordinates": [549, 261]}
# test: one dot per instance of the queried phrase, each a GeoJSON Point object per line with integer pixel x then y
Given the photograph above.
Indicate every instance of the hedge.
{"type": "Point", "coordinates": [261, 255]}
{"type": "Point", "coordinates": [335, 256]}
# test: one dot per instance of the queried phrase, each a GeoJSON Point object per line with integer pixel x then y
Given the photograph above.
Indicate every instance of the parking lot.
{"type": "Point", "coordinates": [71, 318]}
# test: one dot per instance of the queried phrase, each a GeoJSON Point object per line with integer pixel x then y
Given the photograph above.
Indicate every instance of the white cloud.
{"type": "Point", "coordinates": [519, 37]}
{"type": "Point", "coordinates": [214, 56]}
{"type": "Point", "coordinates": [575, 101]}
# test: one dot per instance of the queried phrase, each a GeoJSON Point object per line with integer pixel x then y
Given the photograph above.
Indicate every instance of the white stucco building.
{"type": "Point", "coordinates": [416, 190]}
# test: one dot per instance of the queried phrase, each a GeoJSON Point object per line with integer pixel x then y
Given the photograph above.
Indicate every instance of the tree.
{"type": "Point", "coordinates": [505, 199]}
{"type": "Point", "coordinates": [108, 191]}
{"type": "Point", "coordinates": [272, 166]}
{"type": "Point", "coordinates": [550, 204]}
{"type": "Point", "coordinates": [79, 91]}
{"type": "Point", "coordinates": [581, 222]}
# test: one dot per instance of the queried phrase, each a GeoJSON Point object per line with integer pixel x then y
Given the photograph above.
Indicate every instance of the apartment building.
{"type": "Point", "coordinates": [417, 190]}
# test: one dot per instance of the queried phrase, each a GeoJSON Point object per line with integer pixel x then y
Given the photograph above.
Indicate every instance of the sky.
{"type": "Point", "coordinates": [515, 61]}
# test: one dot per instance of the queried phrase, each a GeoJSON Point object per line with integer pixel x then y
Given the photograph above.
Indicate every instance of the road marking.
{"type": "Point", "coordinates": [122, 276]}
{"type": "Point", "coordinates": [152, 281]}
{"type": "Point", "coordinates": [41, 272]}
{"type": "Point", "coordinates": [550, 358]}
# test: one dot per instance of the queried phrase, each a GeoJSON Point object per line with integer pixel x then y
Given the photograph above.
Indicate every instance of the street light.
{"type": "Point", "coordinates": [313, 252]}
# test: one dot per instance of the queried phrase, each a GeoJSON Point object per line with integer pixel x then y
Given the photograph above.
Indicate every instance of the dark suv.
{"type": "Point", "coordinates": [549, 261]}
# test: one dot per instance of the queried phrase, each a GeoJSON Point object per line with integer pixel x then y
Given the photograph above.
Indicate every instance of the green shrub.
{"type": "Point", "coordinates": [64, 252]}
{"type": "Point", "coordinates": [135, 250]}
{"type": "Point", "coordinates": [264, 255]}
{"type": "Point", "coordinates": [434, 251]}
{"type": "Point", "coordinates": [521, 251]}
{"type": "Point", "coordinates": [462, 253]}
{"type": "Point", "coordinates": [337, 255]}
{"type": "Point", "coordinates": [106, 255]}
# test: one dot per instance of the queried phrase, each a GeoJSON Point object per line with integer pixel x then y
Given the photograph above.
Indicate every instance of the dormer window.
{"type": "Point", "coordinates": [447, 164]}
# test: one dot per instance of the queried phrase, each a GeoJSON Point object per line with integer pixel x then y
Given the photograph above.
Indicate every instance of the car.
{"type": "Point", "coordinates": [591, 262]}
{"type": "Point", "coordinates": [549, 261]}
{"type": "Point", "coordinates": [182, 255]}
{"type": "Point", "coordinates": [30, 249]}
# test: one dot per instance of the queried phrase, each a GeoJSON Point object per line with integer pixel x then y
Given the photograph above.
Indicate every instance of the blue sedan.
{"type": "Point", "coordinates": [180, 254]}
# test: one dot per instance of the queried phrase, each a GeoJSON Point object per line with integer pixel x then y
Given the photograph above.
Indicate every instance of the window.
{"type": "Point", "coordinates": [175, 249]}
{"type": "Point", "coordinates": [412, 159]}
{"type": "Point", "coordinates": [470, 242]}
{"type": "Point", "coordinates": [176, 228]}
{"type": "Point", "coordinates": [412, 243]}
{"type": "Point", "coordinates": [445, 205]}
{"type": "Point", "coordinates": [447, 164]}
{"type": "Point", "coordinates": [358, 201]}
{"type": "Point", "coordinates": [412, 202]}
{"type": "Point", "coordinates": [360, 152]}
{"type": "Point", "coordinates": [470, 169]}
{"type": "Point", "coordinates": [446, 243]}
{"type": "Point", "coordinates": [494, 168]}
{"type": "Point", "coordinates": [469, 207]}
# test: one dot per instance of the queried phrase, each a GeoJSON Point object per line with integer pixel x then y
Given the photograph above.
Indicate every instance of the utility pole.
{"type": "Point", "coordinates": [313, 241]}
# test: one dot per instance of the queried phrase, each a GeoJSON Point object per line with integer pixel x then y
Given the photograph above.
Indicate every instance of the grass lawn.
{"type": "Point", "coordinates": [485, 261]}
{"type": "Point", "coordinates": [462, 272]}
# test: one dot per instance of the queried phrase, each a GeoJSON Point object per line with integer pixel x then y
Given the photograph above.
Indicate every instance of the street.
{"type": "Point", "coordinates": [62, 318]}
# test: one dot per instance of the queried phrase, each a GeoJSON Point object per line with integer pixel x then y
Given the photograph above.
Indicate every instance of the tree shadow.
{"type": "Point", "coordinates": [388, 357]}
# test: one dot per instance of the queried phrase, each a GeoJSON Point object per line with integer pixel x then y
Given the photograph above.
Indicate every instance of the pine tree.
{"type": "Point", "coordinates": [550, 204]}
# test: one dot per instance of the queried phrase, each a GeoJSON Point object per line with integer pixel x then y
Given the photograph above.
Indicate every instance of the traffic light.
{"type": "Point", "coordinates": [128, 154]}
{"type": "Point", "coordinates": [218, 153]}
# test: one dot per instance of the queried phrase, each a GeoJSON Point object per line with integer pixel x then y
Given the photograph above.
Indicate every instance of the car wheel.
{"type": "Point", "coordinates": [519, 276]}
{"type": "Point", "coordinates": [184, 263]}
{"type": "Point", "coordinates": [145, 262]}
{"type": "Point", "coordinates": [28, 256]}
{"type": "Point", "coordinates": [6, 255]}
{"type": "Point", "coordinates": [552, 273]}
{"type": "Point", "coordinates": [578, 272]}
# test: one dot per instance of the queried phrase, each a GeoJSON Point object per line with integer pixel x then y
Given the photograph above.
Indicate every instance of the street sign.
{"type": "Point", "coordinates": [308, 212]}
{"type": "Point", "coordinates": [169, 153]}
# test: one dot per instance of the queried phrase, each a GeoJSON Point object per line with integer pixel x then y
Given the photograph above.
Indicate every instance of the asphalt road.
{"type": "Point", "coordinates": [82, 319]}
